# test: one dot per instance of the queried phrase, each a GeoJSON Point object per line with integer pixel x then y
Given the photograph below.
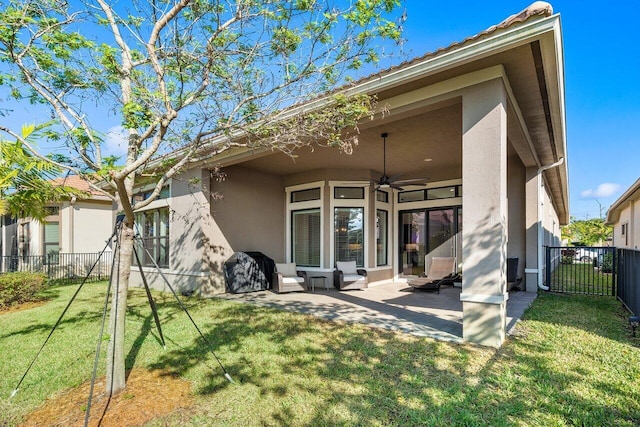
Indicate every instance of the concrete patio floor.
{"type": "Point", "coordinates": [390, 306]}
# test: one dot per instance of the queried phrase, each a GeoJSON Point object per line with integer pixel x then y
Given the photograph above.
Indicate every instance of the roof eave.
{"type": "Point", "coordinates": [501, 41]}
{"type": "Point", "coordinates": [613, 213]}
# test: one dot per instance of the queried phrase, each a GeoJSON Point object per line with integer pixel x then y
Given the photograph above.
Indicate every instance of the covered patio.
{"type": "Point", "coordinates": [464, 158]}
{"type": "Point", "coordinates": [391, 306]}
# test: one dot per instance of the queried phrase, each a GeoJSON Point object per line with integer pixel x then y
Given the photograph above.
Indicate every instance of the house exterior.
{"type": "Point", "coordinates": [78, 225]}
{"type": "Point", "coordinates": [624, 216]}
{"type": "Point", "coordinates": [484, 119]}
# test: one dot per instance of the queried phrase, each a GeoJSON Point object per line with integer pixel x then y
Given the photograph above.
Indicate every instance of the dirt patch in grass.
{"type": "Point", "coordinates": [23, 306]}
{"type": "Point", "coordinates": [149, 395]}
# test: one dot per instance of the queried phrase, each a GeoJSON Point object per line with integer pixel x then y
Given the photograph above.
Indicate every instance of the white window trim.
{"type": "Point", "coordinates": [139, 232]}
{"type": "Point", "coordinates": [297, 206]}
{"type": "Point", "coordinates": [350, 203]}
{"type": "Point", "coordinates": [424, 204]}
{"type": "Point", "coordinates": [389, 208]}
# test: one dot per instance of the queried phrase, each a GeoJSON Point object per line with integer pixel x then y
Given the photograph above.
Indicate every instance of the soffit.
{"type": "Point", "coordinates": [435, 134]}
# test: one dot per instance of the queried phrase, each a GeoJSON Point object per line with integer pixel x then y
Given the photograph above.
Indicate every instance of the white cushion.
{"type": "Point", "coordinates": [288, 269]}
{"type": "Point", "coordinates": [352, 277]}
{"type": "Point", "coordinates": [291, 279]}
{"type": "Point", "coordinates": [347, 267]}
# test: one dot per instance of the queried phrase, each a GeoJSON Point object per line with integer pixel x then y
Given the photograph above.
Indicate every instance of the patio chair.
{"type": "Point", "coordinates": [287, 278]}
{"type": "Point", "coordinates": [442, 271]}
{"type": "Point", "coordinates": [347, 276]}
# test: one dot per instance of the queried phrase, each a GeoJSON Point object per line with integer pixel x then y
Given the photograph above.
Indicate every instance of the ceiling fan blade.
{"type": "Point", "coordinates": [396, 187]}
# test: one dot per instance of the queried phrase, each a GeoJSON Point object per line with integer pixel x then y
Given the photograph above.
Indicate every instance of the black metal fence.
{"type": "Point", "coordinates": [63, 268]}
{"type": "Point", "coordinates": [629, 279]}
{"type": "Point", "coordinates": [585, 270]}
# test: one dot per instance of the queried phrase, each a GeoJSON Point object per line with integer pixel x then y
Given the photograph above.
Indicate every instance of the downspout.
{"type": "Point", "coordinates": [540, 214]}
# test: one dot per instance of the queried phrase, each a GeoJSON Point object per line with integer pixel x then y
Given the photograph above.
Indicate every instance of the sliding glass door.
{"type": "Point", "coordinates": [426, 233]}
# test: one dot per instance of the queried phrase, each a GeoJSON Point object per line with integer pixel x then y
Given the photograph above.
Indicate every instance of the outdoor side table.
{"type": "Point", "coordinates": [312, 282]}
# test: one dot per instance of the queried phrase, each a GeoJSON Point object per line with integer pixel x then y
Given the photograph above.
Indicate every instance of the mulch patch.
{"type": "Point", "coordinates": [148, 395]}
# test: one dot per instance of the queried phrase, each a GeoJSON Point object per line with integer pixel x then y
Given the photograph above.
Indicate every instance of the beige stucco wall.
{"type": "Point", "coordinates": [516, 199]}
{"type": "Point", "coordinates": [250, 214]}
{"type": "Point", "coordinates": [8, 232]}
{"type": "Point", "coordinates": [485, 226]}
{"type": "Point", "coordinates": [629, 215]}
{"type": "Point", "coordinates": [205, 230]}
{"type": "Point", "coordinates": [623, 218]}
{"type": "Point", "coordinates": [85, 226]}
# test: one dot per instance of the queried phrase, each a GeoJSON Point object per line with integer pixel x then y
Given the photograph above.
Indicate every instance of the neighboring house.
{"type": "Point", "coordinates": [624, 216]}
{"type": "Point", "coordinates": [78, 225]}
{"type": "Point", "coordinates": [484, 119]}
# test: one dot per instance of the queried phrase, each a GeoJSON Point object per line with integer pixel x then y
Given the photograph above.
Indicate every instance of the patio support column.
{"type": "Point", "coordinates": [532, 264]}
{"type": "Point", "coordinates": [484, 235]}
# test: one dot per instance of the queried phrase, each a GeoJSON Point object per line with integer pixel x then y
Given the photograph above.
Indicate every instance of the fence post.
{"type": "Point", "coordinates": [615, 267]}
{"type": "Point", "coordinates": [547, 270]}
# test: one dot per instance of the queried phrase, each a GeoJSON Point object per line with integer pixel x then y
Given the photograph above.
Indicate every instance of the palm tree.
{"type": "Point", "coordinates": [27, 183]}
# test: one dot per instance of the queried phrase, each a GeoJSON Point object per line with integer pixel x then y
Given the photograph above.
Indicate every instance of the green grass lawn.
{"type": "Point", "coordinates": [582, 278]}
{"type": "Point", "coordinates": [572, 361]}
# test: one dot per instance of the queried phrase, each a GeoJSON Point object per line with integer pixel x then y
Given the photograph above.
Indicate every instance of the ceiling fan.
{"type": "Point", "coordinates": [386, 181]}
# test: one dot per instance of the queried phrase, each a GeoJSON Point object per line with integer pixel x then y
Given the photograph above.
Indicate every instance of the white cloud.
{"type": "Point", "coordinates": [115, 142]}
{"type": "Point", "coordinates": [606, 189]}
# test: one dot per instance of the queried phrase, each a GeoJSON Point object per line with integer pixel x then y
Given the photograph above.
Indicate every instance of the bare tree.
{"type": "Point", "coordinates": [178, 72]}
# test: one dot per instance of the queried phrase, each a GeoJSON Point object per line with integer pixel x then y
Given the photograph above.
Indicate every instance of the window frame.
{"type": "Point", "coordinates": [156, 240]}
{"type": "Point", "coordinates": [387, 207]}
{"type": "Point", "coordinates": [300, 206]}
{"type": "Point", "coordinates": [350, 203]}
{"type": "Point", "coordinates": [364, 247]}
{"type": "Point", "coordinates": [294, 212]}
{"type": "Point", "coordinates": [625, 233]}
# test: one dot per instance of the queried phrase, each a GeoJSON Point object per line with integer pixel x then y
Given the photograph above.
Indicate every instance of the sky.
{"type": "Point", "coordinates": [602, 83]}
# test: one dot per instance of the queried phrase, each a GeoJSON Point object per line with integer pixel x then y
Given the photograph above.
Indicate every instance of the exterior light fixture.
{"type": "Point", "coordinates": [634, 322]}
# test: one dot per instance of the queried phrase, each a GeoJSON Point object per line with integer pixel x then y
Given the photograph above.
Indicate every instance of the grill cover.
{"type": "Point", "coordinates": [248, 272]}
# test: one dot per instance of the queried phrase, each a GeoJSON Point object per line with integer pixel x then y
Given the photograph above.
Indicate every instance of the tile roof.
{"type": "Point", "coordinates": [81, 184]}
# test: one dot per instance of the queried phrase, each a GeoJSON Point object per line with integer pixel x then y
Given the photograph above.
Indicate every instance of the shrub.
{"type": "Point", "coordinates": [566, 259]}
{"type": "Point", "coordinates": [16, 288]}
{"type": "Point", "coordinates": [607, 263]}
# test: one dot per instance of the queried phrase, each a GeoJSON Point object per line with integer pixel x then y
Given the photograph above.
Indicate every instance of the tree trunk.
{"type": "Point", "coordinates": [116, 380]}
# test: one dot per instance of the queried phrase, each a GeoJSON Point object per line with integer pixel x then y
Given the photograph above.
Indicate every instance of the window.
{"type": "Point", "coordinates": [382, 225]}
{"type": "Point", "coordinates": [625, 232]}
{"type": "Point", "coordinates": [349, 235]}
{"type": "Point", "coordinates": [442, 193]}
{"type": "Point", "coordinates": [305, 195]}
{"type": "Point", "coordinates": [382, 196]}
{"type": "Point", "coordinates": [143, 195]}
{"type": "Point", "coordinates": [348, 192]}
{"type": "Point", "coordinates": [153, 227]}
{"type": "Point", "coordinates": [411, 196]}
{"type": "Point", "coordinates": [52, 241]}
{"type": "Point", "coordinates": [305, 237]}
{"type": "Point", "coordinates": [430, 194]}
{"type": "Point", "coordinates": [304, 224]}
{"type": "Point", "coordinates": [25, 241]}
